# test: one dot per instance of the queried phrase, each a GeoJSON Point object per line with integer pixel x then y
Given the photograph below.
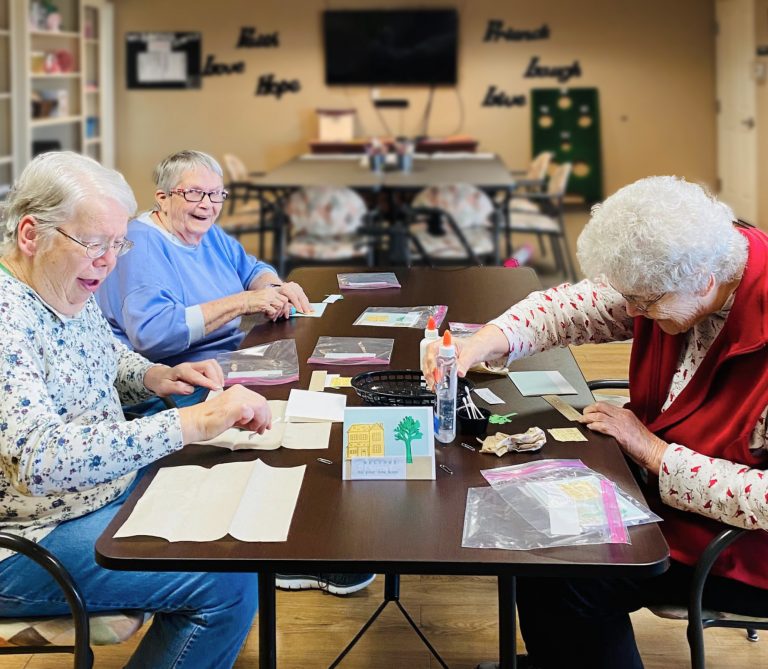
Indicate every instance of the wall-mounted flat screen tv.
{"type": "Point", "coordinates": [402, 47]}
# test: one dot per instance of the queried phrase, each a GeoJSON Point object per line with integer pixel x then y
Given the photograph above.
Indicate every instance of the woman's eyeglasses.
{"type": "Point", "coordinates": [95, 250]}
{"type": "Point", "coordinates": [642, 305]}
{"type": "Point", "coordinates": [197, 195]}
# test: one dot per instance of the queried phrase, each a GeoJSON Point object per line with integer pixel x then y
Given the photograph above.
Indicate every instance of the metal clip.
{"type": "Point", "coordinates": [447, 470]}
{"type": "Point", "coordinates": [324, 461]}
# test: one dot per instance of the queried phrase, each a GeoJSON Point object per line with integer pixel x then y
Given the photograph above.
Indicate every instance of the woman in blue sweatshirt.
{"type": "Point", "coordinates": [180, 295]}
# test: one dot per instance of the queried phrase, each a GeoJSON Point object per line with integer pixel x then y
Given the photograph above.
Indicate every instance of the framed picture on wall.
{"type": "Point", "coordinates": [163, 60]}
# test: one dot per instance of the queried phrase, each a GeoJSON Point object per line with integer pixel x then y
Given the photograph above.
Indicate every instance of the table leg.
{"type": "Point", "coordinates": [267, 621]}
{"type": "Point", "coordinates": [507, 631]}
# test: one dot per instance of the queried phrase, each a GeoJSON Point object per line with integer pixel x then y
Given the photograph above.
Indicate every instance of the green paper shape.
{"type": "Point", "coordinates": [406, 431]}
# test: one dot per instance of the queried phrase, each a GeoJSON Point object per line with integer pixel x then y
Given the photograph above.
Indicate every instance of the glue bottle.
{"type": "Point", "coordinates": [430, 334]}
{"type": "Point", "coordinates": [445, 389]}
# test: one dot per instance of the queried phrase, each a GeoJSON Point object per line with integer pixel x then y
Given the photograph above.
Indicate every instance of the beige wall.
{"type": "Point", "coordinates": [652, 61]}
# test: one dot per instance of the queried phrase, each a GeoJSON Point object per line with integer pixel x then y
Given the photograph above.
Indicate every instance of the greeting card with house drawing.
{"type": "Point", "coordinates": [388, 443]}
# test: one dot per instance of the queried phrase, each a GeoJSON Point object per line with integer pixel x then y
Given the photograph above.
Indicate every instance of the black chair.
{"type": "Point", "coordinates": [698, 618]}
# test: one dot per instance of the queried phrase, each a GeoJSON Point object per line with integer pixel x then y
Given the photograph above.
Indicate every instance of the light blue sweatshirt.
{"type": "Point", "coordinates": [152, 298]}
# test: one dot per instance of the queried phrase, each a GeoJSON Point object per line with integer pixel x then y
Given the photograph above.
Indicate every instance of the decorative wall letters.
{"type": "Point", "coordinates": [496, 98]}
{"type": "Point", "coordinates": [496, 31]}
{"type": "Point", "coordinates": [561, 72]}
{"type": "Point", "coordinates": [250, 39]}
{"type": "Point", "coordinates": [268, 85]}
{"type": "Point", "coordinates": [213, 68]}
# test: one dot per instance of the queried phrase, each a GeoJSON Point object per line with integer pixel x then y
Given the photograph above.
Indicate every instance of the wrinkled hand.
{"type": "Point", "coordinates": [269, 301]}
{"type": "Point", "coordinates": [466, 356]}
{"type": "Point", "coordinates": [294, 293]}
{"type": "Point", "coordinates": [182, 379]}
{"type": "Point", "coordinates": [636, 440]}
{"type": "Point", "coordinates": [235, 407]}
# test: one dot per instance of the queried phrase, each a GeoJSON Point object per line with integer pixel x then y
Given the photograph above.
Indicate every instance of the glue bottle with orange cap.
{"type": "Point", "coordinates": [430, 335]}
{"type": "Point", "coordinates": [445, 389]}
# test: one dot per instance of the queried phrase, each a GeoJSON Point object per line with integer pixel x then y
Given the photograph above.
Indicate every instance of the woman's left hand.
{"type": "Point", "coordinates": [296, 298]}
{"type": "Point", "coordinates": [182, 379]}
{"type": "Point", "coordinates": [636, 440]}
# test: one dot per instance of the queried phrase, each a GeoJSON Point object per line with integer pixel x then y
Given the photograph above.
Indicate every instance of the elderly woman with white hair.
{"type": "Point", "coordinates": [181, 294]}
{"type": "Point", "coordinates": [68, 457]}
{"type": "Point", "coordinates": [687, 283]}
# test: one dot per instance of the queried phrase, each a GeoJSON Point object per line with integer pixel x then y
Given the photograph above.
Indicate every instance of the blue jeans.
{"type": "Point", "coordinates": [201, 619]}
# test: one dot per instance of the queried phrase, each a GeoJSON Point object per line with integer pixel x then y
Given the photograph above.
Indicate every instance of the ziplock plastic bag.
{"type": "Point", "coordinates": [367, 280]}
{"type": "Point", "coordinates": [352, 351]}
{"type": "Point", "coordinates": [262, 365]}
{"type": "Point", "coordinates": [550, 504]}
{"type": "Point", "coordinates": [402, 317]}
{"type": "Point", "coordinates": [464, 329]}
{"type": "Point", "coordinates": [543, 472]}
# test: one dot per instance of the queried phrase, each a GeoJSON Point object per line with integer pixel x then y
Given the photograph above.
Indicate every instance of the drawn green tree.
{"type": "Point", "coordinates": [406, 431]}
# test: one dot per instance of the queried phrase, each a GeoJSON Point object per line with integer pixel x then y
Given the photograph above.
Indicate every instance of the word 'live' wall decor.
{"type": "Point", "coordinates": [566, 121]}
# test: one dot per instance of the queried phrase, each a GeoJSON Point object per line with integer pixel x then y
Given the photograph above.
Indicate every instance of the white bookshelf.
{"type": "Point", "coordinates": [66, 104]}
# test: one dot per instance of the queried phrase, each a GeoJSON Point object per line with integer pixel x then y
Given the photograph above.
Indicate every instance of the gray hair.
{"type": "Point", "coordinates": [52, 187]}
{"type": "Point", "coordinates": [662, 234]}
{"type": "Point", "coordinates": [169, 171]}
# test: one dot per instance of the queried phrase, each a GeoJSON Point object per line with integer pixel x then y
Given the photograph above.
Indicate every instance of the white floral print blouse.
{"type": "Point", "coordinates": [65, 447]}
{"type": "Point", "coordinates": [592, 312]}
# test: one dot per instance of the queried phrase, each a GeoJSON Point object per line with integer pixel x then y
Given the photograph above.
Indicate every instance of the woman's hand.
{"type": "Point", "coordinates": [294, 293]}
{"type": "Point", "coordinates": [182, 379]}
{"type": "Point", "coordinates": [486, 344]}
{"type": "Point", "coordinates": [237, 406]}
{"type": "Point", "coordinates": [636, 440]}
{"type": "Point", "coordinates": [269, 301]}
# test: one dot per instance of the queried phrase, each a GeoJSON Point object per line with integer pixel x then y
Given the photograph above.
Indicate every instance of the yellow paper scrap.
{"type": "Point", "coordinates": [317, 382]}
{"type": "Point", "coordinates": [567, 434]}
{"type": "Point", "coordinates": [341, 382]}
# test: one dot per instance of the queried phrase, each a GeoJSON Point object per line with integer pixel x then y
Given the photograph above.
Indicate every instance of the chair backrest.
{"type": "Point", "coordinates": [539, 166]}
{"type": "Point", "coordinates": [235, 168]}
{"type": "Point", "coordinates": [325, 211]}
{"type": "Point", "coordinates": [467, 204]}
{"type": "Point", "coordinates": [558, 182]}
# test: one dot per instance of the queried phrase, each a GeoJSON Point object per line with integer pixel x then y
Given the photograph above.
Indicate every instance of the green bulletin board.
{"type": "Point", "coordinates": [566, 121]}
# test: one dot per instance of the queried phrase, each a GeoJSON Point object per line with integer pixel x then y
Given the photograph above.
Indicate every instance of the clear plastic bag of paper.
{"type": "Point", "coordinates": [262, 365]}
{"type": "Point", "coordinates": [367, 280]}
{"type": "Point", "coordinates": [464, 329]}
{"type": "Point", "coordinates": [570, 480]}
{"type": "Point", "coordinates": [352, 351]}
{"type": "Point", "coordinates": [402, 317]}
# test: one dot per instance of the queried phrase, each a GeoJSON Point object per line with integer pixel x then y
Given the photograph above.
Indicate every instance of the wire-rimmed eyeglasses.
{"type": "Point", "coordinates": [642, 305]}
{"type": "Point", "coordinates": [95, 250]}
{"type": "Point", "coordinates": [197, 195]}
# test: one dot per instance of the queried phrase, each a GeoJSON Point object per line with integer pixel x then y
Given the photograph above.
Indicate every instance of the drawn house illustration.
{"type": "Point", "coordinates": [365, 440]}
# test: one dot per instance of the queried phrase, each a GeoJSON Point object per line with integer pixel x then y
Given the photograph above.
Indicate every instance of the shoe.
{"type": "Point", "coordinates": [336, 584]}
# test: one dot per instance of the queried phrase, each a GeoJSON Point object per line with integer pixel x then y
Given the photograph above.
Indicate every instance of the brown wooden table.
{"type": "Point", "coordinates": [395, 527]}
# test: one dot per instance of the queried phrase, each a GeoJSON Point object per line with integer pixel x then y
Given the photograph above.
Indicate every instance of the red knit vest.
{"type": "Point", "coordinates": [716, 412]}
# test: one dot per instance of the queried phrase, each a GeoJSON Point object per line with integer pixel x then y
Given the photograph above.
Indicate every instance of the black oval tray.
{"type": "Point", "coordinates": [398, 388]}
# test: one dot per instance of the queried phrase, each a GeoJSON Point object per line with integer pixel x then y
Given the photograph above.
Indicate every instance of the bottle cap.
{"type": "Point", "coordinates": [430, 331]}
{"type": "Point", "coordinates": [447, 349]}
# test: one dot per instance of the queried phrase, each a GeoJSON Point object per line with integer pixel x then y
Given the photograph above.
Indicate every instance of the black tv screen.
{"type": "Point", "coordinates": [374, 47]}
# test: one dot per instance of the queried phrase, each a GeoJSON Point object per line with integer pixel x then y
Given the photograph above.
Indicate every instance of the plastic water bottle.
{"type": "Point", "coordinates": [445, 389]}
{"type": "Point", "coordinates": [430, 335]}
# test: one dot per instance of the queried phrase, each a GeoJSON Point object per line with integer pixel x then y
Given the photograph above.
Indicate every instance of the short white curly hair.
{"type": "Point", "coordinates": [662, 234]}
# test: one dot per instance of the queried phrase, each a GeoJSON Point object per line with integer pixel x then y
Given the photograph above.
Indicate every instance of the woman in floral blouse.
{"type": "Point", "coordinates": [690, 287]}
{"type": "Point", "coordinates": [67, 455]}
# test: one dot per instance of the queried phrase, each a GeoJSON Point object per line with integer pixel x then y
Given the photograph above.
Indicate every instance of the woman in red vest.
{"type": "Point", "coordinates": [689, 285]}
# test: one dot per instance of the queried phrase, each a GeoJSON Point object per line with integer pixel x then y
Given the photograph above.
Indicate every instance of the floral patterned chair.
{"type": "Point", "coordinates": [63, 634]}
{"type": "Point", "coordinates": [453, 224]}
{"type": "Point", "coordinates": [326, 225]}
